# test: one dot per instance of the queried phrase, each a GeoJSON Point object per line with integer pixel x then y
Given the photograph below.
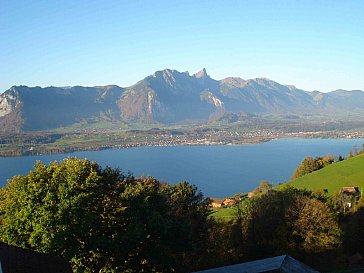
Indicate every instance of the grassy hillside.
{"type": "Point", "coordinates": [349, 172]}
{"type": "Point", "coordinates": [225, 214]}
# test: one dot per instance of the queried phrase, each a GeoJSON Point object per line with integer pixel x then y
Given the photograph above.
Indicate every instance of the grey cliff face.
{"type": "Point", "coordinates": [8, 102]}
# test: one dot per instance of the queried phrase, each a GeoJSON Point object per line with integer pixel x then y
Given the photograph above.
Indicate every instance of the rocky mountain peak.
{"type": "Point", "coordinates": [201, 74]}
{"type": "Point", "coordinates": [234, 82]}
{"type": "Point", "coordinates": [266, 83]}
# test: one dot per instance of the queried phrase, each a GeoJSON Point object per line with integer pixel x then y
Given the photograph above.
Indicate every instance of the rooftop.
{"type": "Point", "coordinates": [18, 260]}
{"type": "Point", "coordinates": [284, 264]}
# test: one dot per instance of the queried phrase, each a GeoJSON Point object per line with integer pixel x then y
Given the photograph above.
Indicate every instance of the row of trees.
{"type": "Point", "coordinates": [310, 164]}
{"type": "Point", "coordinates": [102, 220]}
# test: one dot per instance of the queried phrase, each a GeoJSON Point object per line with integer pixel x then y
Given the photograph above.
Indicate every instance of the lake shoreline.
{"type": "Point", "coordinates": [217, 170]}
{"type": "Point", "coordinates": [44, 149]}
{"type": "Point", "coordinates": [32, 152]}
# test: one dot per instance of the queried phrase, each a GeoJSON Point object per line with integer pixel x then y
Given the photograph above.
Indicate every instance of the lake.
{"type": "Point", "coordinates": [218, 171]}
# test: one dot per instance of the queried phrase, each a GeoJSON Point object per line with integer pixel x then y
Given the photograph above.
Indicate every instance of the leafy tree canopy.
{"type": "Point", "coordinates": [310, 164]}
{"type": "Point", "coordinates": [290, 221]}
{"type": "Point", "coordinates": [102, 220]}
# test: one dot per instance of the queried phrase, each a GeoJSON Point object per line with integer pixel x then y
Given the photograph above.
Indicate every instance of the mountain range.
{"type": "Point", "coordinates": [167, 96]}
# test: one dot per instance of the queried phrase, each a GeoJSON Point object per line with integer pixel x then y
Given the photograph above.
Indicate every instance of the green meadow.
{"type": "Point", "coordinates": [349, 172]}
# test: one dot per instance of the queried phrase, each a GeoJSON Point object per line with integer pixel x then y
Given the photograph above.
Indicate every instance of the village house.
{"type": "Point", "coordinates": [352, 193]}
{"type": "Point", "coordinates": [222, 203]}
{"type": "Point", "coordinates": [228, 202]}
{"type": "Point", "coordinates": [250, 194]}
{"type": "Point", "coordinates": [349, 190]}
{"type": "Point", "coordinates": [216, 202]}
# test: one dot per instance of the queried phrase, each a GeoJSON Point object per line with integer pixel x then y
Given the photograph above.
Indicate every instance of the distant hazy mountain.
{"type": "Point", "coordinates": [171, 96]}
{"type": "Point", "coordinates": [167, 96]}
{"type": "Point", "coordinates": [35, 108]}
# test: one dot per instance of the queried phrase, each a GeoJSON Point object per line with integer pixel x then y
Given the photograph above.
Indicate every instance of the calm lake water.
{"type": "Point", "coordinates": [218, 171]}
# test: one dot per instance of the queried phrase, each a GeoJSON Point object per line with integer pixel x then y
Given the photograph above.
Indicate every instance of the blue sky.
{"type": "Point", "coordinates": [310, 44]}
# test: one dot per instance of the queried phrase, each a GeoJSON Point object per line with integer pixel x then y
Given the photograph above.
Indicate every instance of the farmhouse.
{"type": "Point", "coordinates": [349, 190]}
{"type": "Point", "coordinates": [228, 202]}
{"type": "Point", "coordinates": [250, 194]}
{"type": "Point", "coordinates": [216, 202]}
{"type": "Point", "coordinates": [350, 196]}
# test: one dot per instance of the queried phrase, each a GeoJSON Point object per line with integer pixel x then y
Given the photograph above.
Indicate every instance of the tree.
{"type": "Point", "coordinates": [290, 221]}
{"type": "Point", "coordinates": [102, 220]}
{"type": "Point", "coordinates": [354, 232]}
{"type": "Point", "coordinates": [356, 151]}
{"type": "Point", "coordinates": [309, 165]}
{"type": "Point", "coordinates": [224, 245]}
{"type": "Point", "coordinates": [56, 209]}
{"type": "Point", "coordinates": [311, 226]}
{"type": "Point", "coordinates": [264, 187]}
